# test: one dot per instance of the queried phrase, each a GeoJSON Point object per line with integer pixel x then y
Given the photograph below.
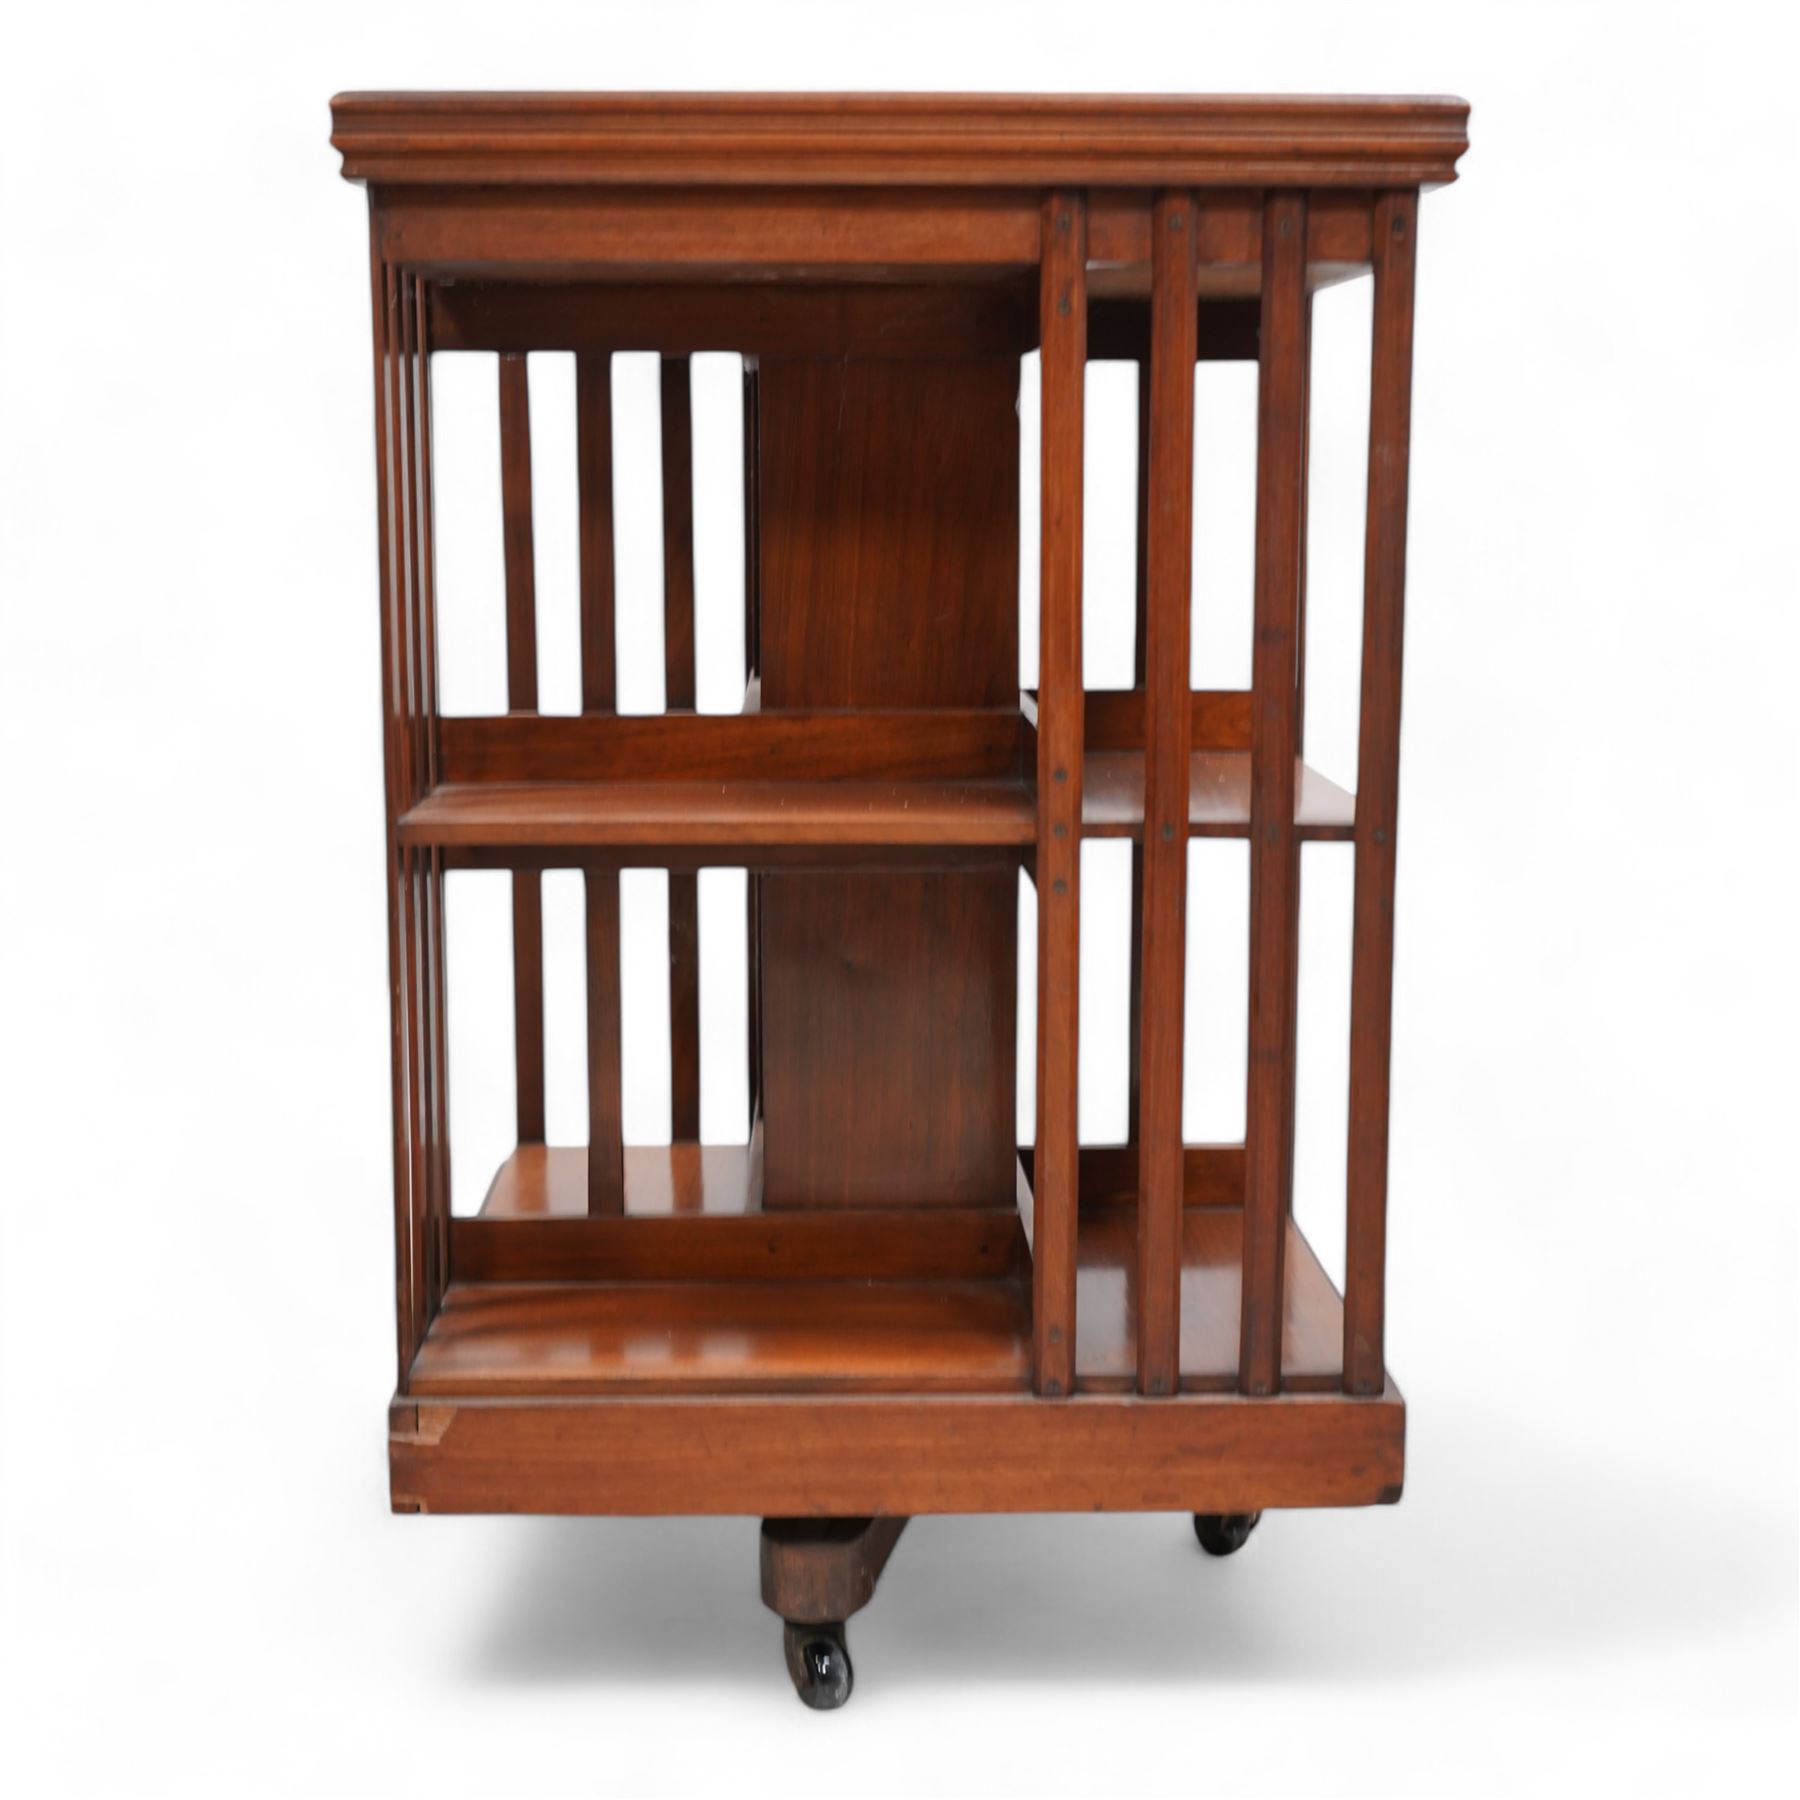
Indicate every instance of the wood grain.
{"type": "Point", "coordinates": [821, 1455]}
{"type": "Point", "coordinates": [1274, 859]}
{"type": "Point", "coordinates": [1063, 368]}
{"type": "Point", "coordinates": [1168, 722]}
{"type": "Point", "coordinates": [866, 139]}
{"type": "Point", "coordinates": [1378, 774]}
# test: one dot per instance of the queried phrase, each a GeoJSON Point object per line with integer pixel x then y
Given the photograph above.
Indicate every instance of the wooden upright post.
{"type": "Point", "coordinates": [1056, 1164]}
{"type": "Point", "coordinates": [1274, 863]}
{"type": "Point", "coordinates": [1168, 716]}
{"type": "Point", "coordinates": [1378, 792]}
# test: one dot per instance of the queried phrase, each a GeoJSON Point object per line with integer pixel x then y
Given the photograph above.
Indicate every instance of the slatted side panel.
{"type": "Point", "coordinates": [1378, 789]}
{"type": "Point", "coordinates": [1055, 1166]}
{"type": "Point", "coordinates": [1274, 864]}
{"type": "Point", "coordinates": [415, 878]}
{"type": "Point", "coordinates": [599, 694]}
{"type": "Point", "coordinates": [1167, 732]}
{"type": "Point", "coordinates": [679, 695]}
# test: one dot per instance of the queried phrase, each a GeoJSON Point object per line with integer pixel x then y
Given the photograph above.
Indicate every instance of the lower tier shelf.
{"type": "Point", "coordinates": [967, 1332]}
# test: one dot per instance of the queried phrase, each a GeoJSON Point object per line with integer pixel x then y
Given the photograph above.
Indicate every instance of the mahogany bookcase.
{"type": "Point", "coordinates": [879, 1305]}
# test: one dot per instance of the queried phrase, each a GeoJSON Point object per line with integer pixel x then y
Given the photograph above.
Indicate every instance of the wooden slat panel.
{"type": "Point", "coordinates": [1378, 779]}
{"type": "Point", "coordinates": [410, 1312]}
{"type": "Point", "coordinates": [521, 696]}
{"type": "Point", "coordinates": [1273, 841]}
{"type": "Point", "coordinates": [769, 746]}
{"type": "Point", "coordinates": [991, 318]}
{"type": "Point", "coordinates": [822, 1454]}
{"type": "Point", "coordinates": [1063, 333]}
{"type": "Point", "coordinates": [1167, 723]}
{"type": "Point", "coordinates": [431, 870]}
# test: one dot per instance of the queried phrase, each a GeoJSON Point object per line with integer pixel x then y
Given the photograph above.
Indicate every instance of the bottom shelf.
{"type": "Point", "coordinates": [947, 1335]}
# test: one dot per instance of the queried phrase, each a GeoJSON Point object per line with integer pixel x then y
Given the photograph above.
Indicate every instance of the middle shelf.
{"type": "Point", "coordinates": [993, 811]}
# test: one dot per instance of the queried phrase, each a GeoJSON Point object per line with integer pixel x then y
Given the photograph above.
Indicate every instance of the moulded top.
{"type": "Point", "coordinates": [974, 140]}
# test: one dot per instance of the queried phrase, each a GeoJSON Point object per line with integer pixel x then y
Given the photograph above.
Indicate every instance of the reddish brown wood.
{"type": "Point", "coordinates": [1167, 722]}
{"type": "Point", "coordinates": [1063, 334]}
{"type": "Point", "coordinates": [959, 140]}
{"type": "Point", "coordinates": [860, 319]}
{"type": "Point", "coordinates": [521, 696]}
{"type": "Point", "coordinates": [819, 1571]}
{"type": "Point", "coordinates": [1274, 860]}
{"type": "Point", "coordinates": [921, 743]}
{"type": "Point", "coordinates": [884, 490]}
{"type": "Point", "coordinates": [1220, 787]}
{"type": "Point", "coordinates": [864, 1310]}
{"type": "Point", "coordinates": [1378, 782]}
{"type": "Point", "coordinates": [812, 1455]}
{"type": "Point", "coordinates": [888, 1039]}
{"type": "Point", "coordinates": [553, 1338]}
{"type": "Point", "coordinates": [594, 476]}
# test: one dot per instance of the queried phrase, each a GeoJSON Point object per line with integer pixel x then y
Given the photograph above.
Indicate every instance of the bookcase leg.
{"type": "Point", "coordinates": [815, 1574]}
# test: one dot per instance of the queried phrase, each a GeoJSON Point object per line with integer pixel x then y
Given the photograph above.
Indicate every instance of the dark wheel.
{"type": "Point", "coordinates": [819, 1662]}
{"type": "Point", "coordinates": [1222, 1533]}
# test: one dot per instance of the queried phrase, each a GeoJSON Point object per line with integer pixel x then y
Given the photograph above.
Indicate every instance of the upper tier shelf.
{"type": "Point", "coordinates": [845, 816]}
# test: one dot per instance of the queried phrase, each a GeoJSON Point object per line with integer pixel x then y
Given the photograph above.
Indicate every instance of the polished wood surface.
{"type": "Point", "coordinates": [888, 1039]}
{"type": "Point", "coordinates": [1062, 315]}
{"type": "Point", "coordinates": [1274, 742]}
{"type": "Point", "coordinates": [955, 139]}
{"type": "Point", "coordinates": [1378, 771]}
{"type": "Point", "coordinates": [845, 1455]}
{"type": "Point", "coordinates": [879, 1305]}
{"type": "Point", "coordinates": [771, 1304]}
{"type": "Point", "coordinates": [1160, 870]}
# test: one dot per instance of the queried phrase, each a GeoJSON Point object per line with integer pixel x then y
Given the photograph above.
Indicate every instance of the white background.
{"type": "Point", "coordinates": [1591, 1583]}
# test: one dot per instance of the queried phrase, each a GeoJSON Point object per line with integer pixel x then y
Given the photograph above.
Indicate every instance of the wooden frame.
{"type": "Point", "coordinates": [879, 1304]}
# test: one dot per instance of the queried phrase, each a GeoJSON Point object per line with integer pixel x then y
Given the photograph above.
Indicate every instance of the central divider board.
{"type": "Point", "coordinates": [887, 537]}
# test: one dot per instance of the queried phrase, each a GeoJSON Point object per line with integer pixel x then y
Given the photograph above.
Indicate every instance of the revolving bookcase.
{"type": "Point", "coordinates": [879, 1304]}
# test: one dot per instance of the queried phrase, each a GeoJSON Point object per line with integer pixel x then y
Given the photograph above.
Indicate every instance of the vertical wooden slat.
{"type": "Point", "coordinates": [599, 694]}
{"type": "Point", "coordinates": [398, 797]}
{"type": "Point", "coordinates": [1273, 863]}
{"type": "Point", "coordinates": [1378, 791]}
{"type": "Point", "coordinates": [1293, 1024]}
{"type": "Point", "coordinates": [752, 521]}
{"type": "Point", "coordinates": [594, 479]}
{"type": "Point", "coordinates": [752, 673]}
{"type": "Point", "coordinates": [679, 693]}
{"type": "Point", "coordinates": [416, 1027]}
{"type": "Point", "coordinates": [1167, 729]}
{"type": "Point", "coordinates": [521, 696]}
{"type": "Point", "coordinates": [432, 868]}
{"type": "Point", "coordinates": [1063, 340]}
{"type": "Point", "coordinates": [606, 1152]}
{"type": "Point", "coordinates": [1134, 975]}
